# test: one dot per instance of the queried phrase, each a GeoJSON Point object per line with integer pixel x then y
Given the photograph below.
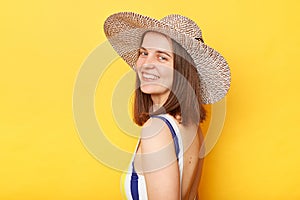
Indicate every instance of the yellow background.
{"type": "Point", "coordinates": [43, 44]}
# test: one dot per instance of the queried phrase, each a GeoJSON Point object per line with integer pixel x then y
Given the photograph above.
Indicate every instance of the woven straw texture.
{"type": "Point", "coordinates": [125, 29]}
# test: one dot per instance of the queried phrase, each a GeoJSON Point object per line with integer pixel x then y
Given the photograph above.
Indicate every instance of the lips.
{"type": "Point", "coordinates": [149, 76]}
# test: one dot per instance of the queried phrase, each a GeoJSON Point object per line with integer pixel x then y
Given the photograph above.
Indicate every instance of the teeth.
{"type": "Point", "coordinates": [150, 76]}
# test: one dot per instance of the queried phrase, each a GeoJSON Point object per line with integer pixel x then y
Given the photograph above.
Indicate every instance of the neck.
{"type": "Point", "coordinates": [158, 101]}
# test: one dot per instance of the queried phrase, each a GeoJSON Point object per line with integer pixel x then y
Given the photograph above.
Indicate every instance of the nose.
{"type": "Point", "coordinates": [149, 61]}
{"type": "Point", "coordinates": [148, 65]}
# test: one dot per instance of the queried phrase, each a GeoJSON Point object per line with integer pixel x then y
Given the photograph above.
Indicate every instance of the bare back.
{"type": "Point", "coordinates": [192, 167]}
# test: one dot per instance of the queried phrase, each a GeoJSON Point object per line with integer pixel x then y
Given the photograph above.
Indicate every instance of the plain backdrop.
{"type": "Point", "coordinates": [43, 45]}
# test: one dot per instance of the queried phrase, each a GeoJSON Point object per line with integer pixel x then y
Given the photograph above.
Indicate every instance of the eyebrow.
{"type": "Point", "coordinates": [158, 51]}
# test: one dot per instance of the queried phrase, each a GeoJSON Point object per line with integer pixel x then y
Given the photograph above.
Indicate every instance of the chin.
{"type": "Point", "coordinates": [149, 89]}
{"type": "Point", "coordinates": [153, 89]}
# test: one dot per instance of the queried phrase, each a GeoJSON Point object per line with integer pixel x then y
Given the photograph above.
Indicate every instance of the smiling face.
{"type": "Point", "coordinates": [154, 66]}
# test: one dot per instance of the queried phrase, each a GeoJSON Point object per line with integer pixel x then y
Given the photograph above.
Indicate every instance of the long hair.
{"type": "Point", "coordinates": [184, 100]}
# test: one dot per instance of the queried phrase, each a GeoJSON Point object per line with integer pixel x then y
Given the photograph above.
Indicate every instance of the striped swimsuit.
{"type": "Point", "coordinates": [133, 185]}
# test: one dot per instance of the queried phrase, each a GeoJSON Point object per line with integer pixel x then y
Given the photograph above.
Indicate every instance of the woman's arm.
{"type": "Point", "coordinates": [159, 161]}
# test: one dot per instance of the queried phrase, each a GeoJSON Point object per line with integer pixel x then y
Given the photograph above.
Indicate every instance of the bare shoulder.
{"type": "Point", "coordinates": [157, 146]}
{"type": "Point", "coordinates": [159, 162]}
{"type": "Point", "coordinates": [155, 135]}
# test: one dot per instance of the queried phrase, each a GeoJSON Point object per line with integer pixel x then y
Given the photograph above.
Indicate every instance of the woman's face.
{"type": "Point", "coordinates": [155, 66]}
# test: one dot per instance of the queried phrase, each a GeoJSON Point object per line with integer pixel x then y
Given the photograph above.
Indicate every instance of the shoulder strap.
{"type": "Point", "coordinates": [174, 136]}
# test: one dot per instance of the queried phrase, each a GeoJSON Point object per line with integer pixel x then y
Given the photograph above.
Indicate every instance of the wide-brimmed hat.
{"type": "Point", "coordinates": [124, 31]}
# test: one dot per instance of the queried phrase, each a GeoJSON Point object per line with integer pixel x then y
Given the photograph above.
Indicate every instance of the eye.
{"type": "Point", "coordinates": [163, 57]}
{"type": "Point", "coordinates": [143, 52]}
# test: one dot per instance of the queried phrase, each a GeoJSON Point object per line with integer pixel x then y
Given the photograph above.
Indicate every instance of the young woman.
{"type": "Point", "coordinates": [176, 74]}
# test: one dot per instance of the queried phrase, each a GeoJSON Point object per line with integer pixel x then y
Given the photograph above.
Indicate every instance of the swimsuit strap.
{"type": "Point", "coordinates": [174, 136]}
{"type": "Point", "coordinates": [134, 189]}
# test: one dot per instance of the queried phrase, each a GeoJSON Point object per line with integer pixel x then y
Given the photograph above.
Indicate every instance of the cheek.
{"type": "Point", "coordinates": [167, 77]}
{"type": "Point", "coordinates": [139, 63]}
{"type": "Point", "coordinates": [167, 71]}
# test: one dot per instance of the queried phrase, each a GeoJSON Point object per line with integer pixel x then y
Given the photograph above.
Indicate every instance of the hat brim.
{"type": "Point", "coordinates": [125, 29]}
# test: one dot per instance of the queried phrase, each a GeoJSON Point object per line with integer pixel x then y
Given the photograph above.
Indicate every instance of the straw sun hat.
{"type": "Point", "coordinates": [125, 29]}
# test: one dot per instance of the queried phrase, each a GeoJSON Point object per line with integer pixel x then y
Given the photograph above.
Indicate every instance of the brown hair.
{"type": "Point", "coordinates": [184, 100]}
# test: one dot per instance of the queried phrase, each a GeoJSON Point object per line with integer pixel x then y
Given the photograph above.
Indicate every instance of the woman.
{"type": "Point", "coordinates": [176, 73]}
